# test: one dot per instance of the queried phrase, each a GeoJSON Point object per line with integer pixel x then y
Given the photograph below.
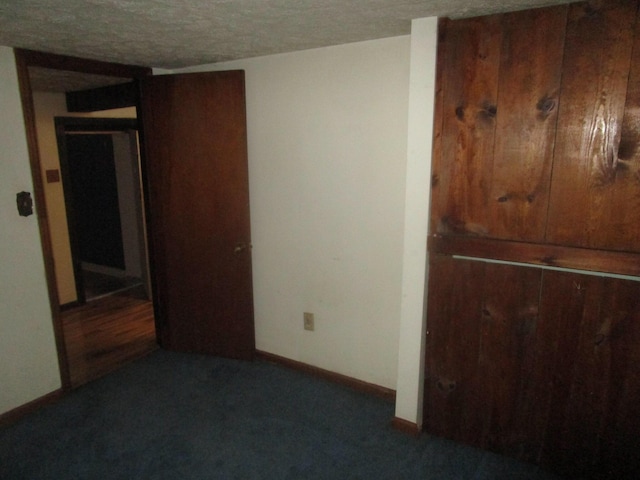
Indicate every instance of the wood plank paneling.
{"type": "Point", "coordinates": [460, 185]}
{"type": "Point", "coordinates": [529, 114]}
{"type": "Point", "coordinates": [591, 328]}
{"type": "Point", "coordinates": [584, 207]}
{"type": "Point", "coordinates": [537, 160]}
{"type": "Point", "coordinates": [627, 190]}
{"type": "Point", "coordinates": [618, 337]}
{"type": "Point", "coordinates": [83, 65]}
{"type": "Point", "coordinates": [541, 366]}
{"type": "Point", "coordinates": [561, 310]}
{"type": "Point", "coordinates": [437, 161]}
{"type": "Point", "coordinates": [478, 332]}
{"type": "Point", "coordinates": [452, 345]}
{"type": "Point", "coordinates": [529, 89]}
{"type": "Point", "coordinates": [508, 321]}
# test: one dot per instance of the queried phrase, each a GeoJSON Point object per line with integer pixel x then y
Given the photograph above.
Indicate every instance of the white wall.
{"type": "Point", "coordinates": [46, 106]}
{"type": "Point", "coordinates": [28, 359]}
{"type": "Point", "coordinates": [338, 214]}
{"type": "Point", "coordinates": [327, 134]}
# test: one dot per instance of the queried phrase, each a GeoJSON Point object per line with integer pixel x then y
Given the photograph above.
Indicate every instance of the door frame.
{"type": "Point", "coordinates": [24, 60]}
{"type": "Point", "coordinates": [64, 126]}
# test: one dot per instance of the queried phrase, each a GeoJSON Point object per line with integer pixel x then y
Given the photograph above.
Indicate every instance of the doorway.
{"type": "Point", "coordinates": [199, 233]}
{"type": "Point", "coordinates": [102, 335]}
{"type": "Point", "coordinates": [100, 169]}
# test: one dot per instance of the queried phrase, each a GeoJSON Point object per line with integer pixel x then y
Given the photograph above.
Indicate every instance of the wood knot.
{"type": "Point", "coordinates": [626, 150]}
{"type": "Point", "coordinates": [489, 111]}
{"type": "Point", "coordinates": [503, 198]}
{"type": "Point", "coordinates": [460, 112]}
{"type": "Point", "coordinates": [546, 105]}
{"type": "Point", "coordinates": [435, 179]}
{"type": "Point", "coordinates": [531, 197]}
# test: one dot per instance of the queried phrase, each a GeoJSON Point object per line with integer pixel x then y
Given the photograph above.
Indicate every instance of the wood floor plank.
{"type": "Point", "coordinates": [106, 334]}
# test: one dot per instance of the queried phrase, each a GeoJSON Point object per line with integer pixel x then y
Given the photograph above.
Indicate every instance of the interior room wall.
{"type": "Point", "coordinates": [48, 105]}
{"type": "Point", "coordinates": [328, 170]}
{"type": "Point", "coordinates": [28, 358]}
{"type": "Point", "coordinates": [327, 138]}
{"type": "Point", "coordinates": [422, 79]}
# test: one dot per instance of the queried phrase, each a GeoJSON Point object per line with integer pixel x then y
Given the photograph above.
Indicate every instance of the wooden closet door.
{"type": "Point", "coordinates": [469, 90]}
{"type": "Point", "coordinates": [498, 94]}
{"type": "Point", "coordinates": [595, 195]}
{"type": "Point", "coordinates": [195, 141]}
{"type": "Point", "coordinates": [537, 163]}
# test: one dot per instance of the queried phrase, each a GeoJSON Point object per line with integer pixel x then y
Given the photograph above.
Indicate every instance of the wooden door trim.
{"type": "Point", "coordinates": [26, 95]}
{"type": "Point", "coordinates": [25, 59]}
{"type": "Point", "coordinates": [75, 64]}
{"type": "Point", "coordinates": [388, 394]}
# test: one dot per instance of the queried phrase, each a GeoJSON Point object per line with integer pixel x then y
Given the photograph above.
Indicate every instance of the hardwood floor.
{"type": "Point", "coordinates": [105, 334]}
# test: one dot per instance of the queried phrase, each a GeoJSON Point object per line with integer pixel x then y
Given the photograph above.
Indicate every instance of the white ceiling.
{"type": "Point", "coordinates": [178, 33]}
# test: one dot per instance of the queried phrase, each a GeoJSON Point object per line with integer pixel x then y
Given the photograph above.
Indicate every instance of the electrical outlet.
{"type": "Point", "coordinates": [308, 321]}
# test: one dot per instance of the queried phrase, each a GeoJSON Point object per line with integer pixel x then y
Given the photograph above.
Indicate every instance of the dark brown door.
{"type": "Point", "coordinates": [195, 143]}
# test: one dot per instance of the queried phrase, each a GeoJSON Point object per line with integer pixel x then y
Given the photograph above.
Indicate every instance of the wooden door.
{"type": "Point", "coordinates": [595, 193]}
{"type": "Point", "coordinates": [497, 103]}
{"type": "Point", "coordinates": [194, 138]}
{"type": "Point", "coordinates": [538, 365]}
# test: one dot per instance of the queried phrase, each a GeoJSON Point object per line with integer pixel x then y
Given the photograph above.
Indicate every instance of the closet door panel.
{"type": "Point", "coordinates": [592, 330]}
{"type": "Point", "coordinates": [437, 164]}
{"type": "Point", "coordinates": [481, 328]}
{"type": "Point", "coordinates": [529, 90]}
{"type": "Point", "coordinates": [585, 207]}
{"type": "Point", "coordinates": [462, 174]}
{"type": "Point", "coordinates": [626, 221]}
{"type": "Point", "coordinates": [451, 405]}
{"type": "Point", "coordinates": [508, 331]}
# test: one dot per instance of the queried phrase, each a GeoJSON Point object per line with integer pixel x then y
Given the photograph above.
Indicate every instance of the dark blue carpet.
{"type": "Point", "coordinates": [178, 416]}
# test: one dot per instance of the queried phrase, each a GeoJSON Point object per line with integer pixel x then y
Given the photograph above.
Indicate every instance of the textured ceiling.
{"type": "Point", "coordinates": [178, 33]}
